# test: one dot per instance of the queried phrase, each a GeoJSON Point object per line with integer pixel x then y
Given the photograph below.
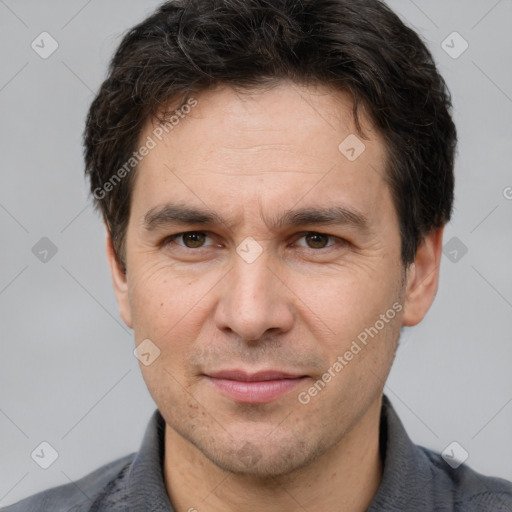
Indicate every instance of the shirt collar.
{"type": "Point", "coordinates": [407, 474]}
{"type": "Point", "coordinates": [406, 471]}
{"type": "Point", "coordinates": [146, 487]}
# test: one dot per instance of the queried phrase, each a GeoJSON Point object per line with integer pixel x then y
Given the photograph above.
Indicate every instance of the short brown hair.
{"type": "Point", "coordinates": [359, 46]}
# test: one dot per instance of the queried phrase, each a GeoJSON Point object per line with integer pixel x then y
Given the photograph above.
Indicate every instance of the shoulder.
{"type": "Point", "coordinates": [466, 489]}
{"type": "Point", "coordinates": [81, 494]}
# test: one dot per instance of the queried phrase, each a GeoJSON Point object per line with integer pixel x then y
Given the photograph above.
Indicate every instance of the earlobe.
{"type": "Point", "coordinates": [119, 280]}
{"type": "Point", "coordinates": [423, 278]}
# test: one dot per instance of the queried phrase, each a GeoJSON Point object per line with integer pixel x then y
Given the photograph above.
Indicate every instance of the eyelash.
{"type": "Point", "coordinates": [170, 239]}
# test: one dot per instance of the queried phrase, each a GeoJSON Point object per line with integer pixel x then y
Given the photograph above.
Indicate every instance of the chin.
{"type": "Point", "coordinates": [261, 459]}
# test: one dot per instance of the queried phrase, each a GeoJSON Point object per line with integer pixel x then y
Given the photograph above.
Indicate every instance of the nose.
{"type": "Point", "coordinates": [255, 300]}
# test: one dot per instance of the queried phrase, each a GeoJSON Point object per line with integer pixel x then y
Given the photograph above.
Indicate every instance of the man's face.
{"type": "Point", "coordinates": [211, 302]}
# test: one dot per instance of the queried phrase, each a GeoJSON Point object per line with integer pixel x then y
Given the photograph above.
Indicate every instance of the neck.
{"type": "Point", "coordinates": [346, 477]}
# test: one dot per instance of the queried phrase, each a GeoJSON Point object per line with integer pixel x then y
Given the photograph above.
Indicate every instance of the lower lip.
{"type": "Point", "coordinates": [257, 392]}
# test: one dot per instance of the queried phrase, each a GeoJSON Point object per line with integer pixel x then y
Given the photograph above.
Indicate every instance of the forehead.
{"type": "Point", "coordinates": [275, 147]}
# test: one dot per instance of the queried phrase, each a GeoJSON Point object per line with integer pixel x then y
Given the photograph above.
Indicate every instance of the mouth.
{"type": "Point", "coordinates": [254, 388]}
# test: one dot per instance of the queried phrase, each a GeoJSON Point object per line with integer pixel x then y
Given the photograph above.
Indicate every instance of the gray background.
{"type": "Point", "coordinates": [67, 372]}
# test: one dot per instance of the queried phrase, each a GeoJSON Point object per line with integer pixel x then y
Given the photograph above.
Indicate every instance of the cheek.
{"type": "Point", "coordinates": [171, 308]}
{"type": "Point", "coordinates": [159, 298]}
{"type": "Point", "coordinates": [350, 302]}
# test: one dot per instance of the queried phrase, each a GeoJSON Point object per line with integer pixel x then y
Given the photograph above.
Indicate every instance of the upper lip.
{"type": "Point", "coordinates": [244, 376]}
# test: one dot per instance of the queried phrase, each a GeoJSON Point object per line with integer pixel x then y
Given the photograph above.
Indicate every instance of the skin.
{"type": "Point", "coordinates": [296, 308]}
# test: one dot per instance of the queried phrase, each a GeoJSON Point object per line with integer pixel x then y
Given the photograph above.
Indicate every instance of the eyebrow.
{"type": "Point", "coordinates": [168, 214]}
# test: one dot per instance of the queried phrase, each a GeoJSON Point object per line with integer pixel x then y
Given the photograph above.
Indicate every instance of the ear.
{"type": "Point", "coordinates": [423, 278]}
{"type": "Point", "coordinates": [119, 281]}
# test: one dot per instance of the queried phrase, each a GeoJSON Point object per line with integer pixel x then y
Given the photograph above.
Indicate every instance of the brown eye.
{"type": "Point", "coordinates": [191, 239]}
{"type": "Point", "coordinates": [318, 240]}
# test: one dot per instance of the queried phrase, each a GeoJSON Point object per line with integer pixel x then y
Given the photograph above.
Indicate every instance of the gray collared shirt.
{"type": "Point", "coordinates": [414, 479]}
